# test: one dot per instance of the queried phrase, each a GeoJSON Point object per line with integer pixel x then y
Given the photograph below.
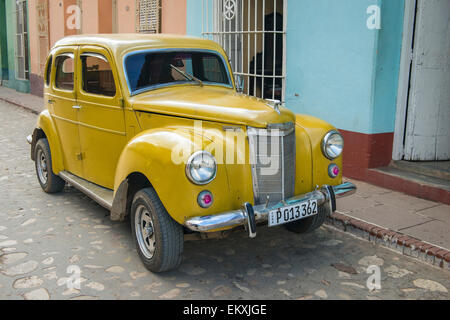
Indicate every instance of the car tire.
{"type": "Point", "coordinates": [50, 182]}
{"type": "Point", "coordinates": [158, 238]}
{"type": "Point", "coordinates": [310, 224]}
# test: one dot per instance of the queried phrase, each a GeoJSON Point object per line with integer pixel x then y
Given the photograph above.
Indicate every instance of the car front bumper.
{"type": "Point", "coordinates": [249, 215]}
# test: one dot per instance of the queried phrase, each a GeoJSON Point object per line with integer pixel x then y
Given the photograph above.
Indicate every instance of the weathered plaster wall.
{"type": "Point", "coordinates": [126, 16]}
{"type": "Point", "coordinates": [173, 16]}
{"type": "Point", "coordinates": [12, 82]}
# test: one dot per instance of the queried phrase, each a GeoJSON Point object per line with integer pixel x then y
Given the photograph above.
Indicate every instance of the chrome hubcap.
{"type": "Point", "coordinates": [145, 232]}
{"type": "Point", "coordinates": [42, 168]}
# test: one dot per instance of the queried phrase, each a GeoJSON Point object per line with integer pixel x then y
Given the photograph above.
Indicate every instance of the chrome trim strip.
{"type": "Point", "coordinates": [238, 217]}
{"type": "Point", "coordinates": [344, 190]}
{"type": "Point", "coordinates": [67, 177]}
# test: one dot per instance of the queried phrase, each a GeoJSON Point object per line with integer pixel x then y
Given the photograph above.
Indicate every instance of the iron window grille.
{"type": "Point", "coordinates": [253, 34]}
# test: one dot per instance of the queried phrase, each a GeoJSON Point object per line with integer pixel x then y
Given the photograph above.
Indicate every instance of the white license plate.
{"type": "Point", "coordinates": [296, 212]}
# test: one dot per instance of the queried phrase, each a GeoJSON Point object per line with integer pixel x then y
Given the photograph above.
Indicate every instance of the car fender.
{"type": "Point", "coordinates": [151, 153]}
{"type": "Point", "coordinates": [47, 125]}
{"type": "Point", "coordinates": [316, 129]}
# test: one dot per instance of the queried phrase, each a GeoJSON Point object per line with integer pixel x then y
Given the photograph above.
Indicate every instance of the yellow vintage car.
{"type": "Point", "coordinates": [154, 127]}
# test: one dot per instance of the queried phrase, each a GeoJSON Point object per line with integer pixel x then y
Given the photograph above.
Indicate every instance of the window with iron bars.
{"type": "Point", "coordinates": [21, 52]}
{"type": "Point", "coordinates": [148, 16]}
{"type": "Point", "coordinates": [253, 34]}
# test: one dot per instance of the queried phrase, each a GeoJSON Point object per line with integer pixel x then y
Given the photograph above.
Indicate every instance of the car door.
{"type": "Point", "coordinates": [62, 105]}
{"type": "Point", "coordinates": [101, 115]}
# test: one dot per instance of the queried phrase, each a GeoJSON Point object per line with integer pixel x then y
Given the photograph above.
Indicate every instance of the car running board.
{"type": "Point", "coordinates": [102, 196]}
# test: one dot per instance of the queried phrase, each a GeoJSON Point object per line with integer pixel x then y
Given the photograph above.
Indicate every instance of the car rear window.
{"type": "Point", "coordinates": [64, 72]}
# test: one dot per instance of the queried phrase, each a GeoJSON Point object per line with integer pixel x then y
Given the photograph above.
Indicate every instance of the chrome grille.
{"type": "Point", "coordinates": [272, 157]}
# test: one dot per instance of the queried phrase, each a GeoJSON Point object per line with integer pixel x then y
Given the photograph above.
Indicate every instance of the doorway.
{"type": "Point", "coordinates": [3, 44]}
{"type": "Point", "coordinates": [422, 130]}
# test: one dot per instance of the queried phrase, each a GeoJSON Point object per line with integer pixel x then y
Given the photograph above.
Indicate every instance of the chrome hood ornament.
{"type": "Point", "coordinates": [275, 104]}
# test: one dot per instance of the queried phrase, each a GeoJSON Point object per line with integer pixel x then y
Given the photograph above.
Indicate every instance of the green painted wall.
{"type": "Point", "coordinates": [3, 45]}
{"type": "Point", "coordinates": [12, 82]}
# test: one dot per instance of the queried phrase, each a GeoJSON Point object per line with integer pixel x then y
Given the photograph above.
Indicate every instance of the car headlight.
{"type": "Point", "coordinates": [332, 145]}
{"type": "Point", "coordinates": [201, 168]}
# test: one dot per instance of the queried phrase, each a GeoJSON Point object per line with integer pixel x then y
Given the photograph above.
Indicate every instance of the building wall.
{"type": "Point", "coordinates": [330, 61]}
{"type": "Point", "coordinates": [105, 23]}
{"type": "Point", "coordinates": [56, 20]}
{"type": "Point", "coordinates": [126, 16]}
{"type": "Point", "coordinates": [340, 71]}
{"type": "Point", "coordinates": [35, 86]}
{"type": "Point", "coordinates": [3, 42]}
{"type": "Point", "coordinates": [89, 17]}
{"type": "Point", "coordinates": [173, 19]}
{"type": "Point", "coordinates": [12, 82]}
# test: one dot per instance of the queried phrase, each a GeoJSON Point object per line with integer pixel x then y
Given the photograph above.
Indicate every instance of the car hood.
{"type": "Point", "coordinates": [211, 104]}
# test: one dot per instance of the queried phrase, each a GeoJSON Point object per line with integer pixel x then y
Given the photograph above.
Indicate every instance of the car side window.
{"type": "Point", "coordinates": [48, 72]}
{"type": "Point", "coordinates": [97, 75]}
{"type": "Point", "coordinates": [64, 72]}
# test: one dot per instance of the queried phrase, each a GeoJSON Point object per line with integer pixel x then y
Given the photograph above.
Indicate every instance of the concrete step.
{"type": "Point", "coordinates": [433, 169]}
{"type": "Point", "coordinates": [413, 184]}
{"type": "Point", "coordinates": [416, 177]}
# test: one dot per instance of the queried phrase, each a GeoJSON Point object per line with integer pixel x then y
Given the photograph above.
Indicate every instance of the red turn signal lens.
{"type": "Point", "coordinates": [205, 199]}
{"type": "Point", "coordinates": [333, 170]}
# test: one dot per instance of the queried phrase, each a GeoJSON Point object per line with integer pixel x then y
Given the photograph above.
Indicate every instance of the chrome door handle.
{"type": "Point", "coordinates": [76, 107]}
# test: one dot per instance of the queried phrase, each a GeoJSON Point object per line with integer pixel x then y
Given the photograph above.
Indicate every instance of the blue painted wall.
{"type": "Point", "coordinates": [194, 18]}
{"type": "Point", "coordinates": [330, 61]}
{"type": "Point", "coordinates": [338, 69]}
{"type": "Point", "coordinates": [387, 64]}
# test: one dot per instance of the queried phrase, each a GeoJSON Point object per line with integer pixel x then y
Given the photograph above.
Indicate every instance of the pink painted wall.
{"type": "Point", "coordinates": [67, 4]}
{"type": "Point", "coordinates": [126, 16]}
{"type": "Point", "coordinates": [173, 16]}
{"type": "Point", "coordinates": [105, 17]}
{"type": "Point", "coordinates": [56, 20]}
{"type": "Point", "coordinates": [33, 37]}
{"type": "Point", "coordinates": [89, 16]}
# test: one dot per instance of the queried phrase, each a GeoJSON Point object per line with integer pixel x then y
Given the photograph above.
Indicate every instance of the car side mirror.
{"type": "Point", "coordinates": [240, 83]}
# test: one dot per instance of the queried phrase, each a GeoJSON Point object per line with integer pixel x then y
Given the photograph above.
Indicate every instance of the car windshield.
{"type": "Point", "coordinates": [146, 70]}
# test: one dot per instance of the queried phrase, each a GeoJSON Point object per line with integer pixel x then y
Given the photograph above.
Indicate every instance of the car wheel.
{"type": "Point", "coordinates": [309, 224]}
{"type": "Point", "coordinates": [158, 238]}
{"type": "Point", "coordinates": [49, 182]}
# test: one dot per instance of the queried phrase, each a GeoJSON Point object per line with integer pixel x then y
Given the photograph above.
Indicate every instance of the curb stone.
{"type": "Point", "coordinates": [18, 104]}
{"type": "Point", "coordinates": [402, 243]}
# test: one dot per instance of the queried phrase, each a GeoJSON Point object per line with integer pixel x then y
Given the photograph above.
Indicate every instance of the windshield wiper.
{"type": "Point", "coordinates": [187, 76]}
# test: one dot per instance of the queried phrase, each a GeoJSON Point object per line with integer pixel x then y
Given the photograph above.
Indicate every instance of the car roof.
{"type": "Point", "coordinates": [124, 42]}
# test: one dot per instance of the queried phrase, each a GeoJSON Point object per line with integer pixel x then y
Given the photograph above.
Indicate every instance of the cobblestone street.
{"type": "Point", "coordinates": [42, 235]}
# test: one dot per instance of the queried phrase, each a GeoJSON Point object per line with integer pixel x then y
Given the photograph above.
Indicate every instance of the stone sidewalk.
{"type": "Point", "coordinates": [411, 226]}
{"type": "Point", "coordinates": [392, 211]}
{"type": "Point", "coordinates": [30, 102]}
{"type": "Point", "coordinates": [422, 219]}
